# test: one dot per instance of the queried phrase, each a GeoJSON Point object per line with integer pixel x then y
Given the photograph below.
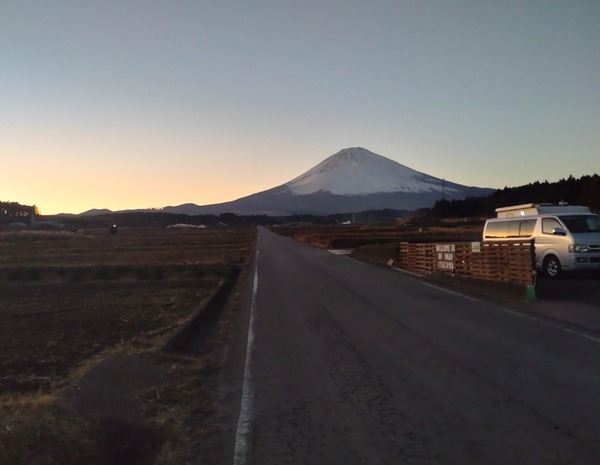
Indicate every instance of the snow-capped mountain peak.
{"type": "Point", "coordinates": [357, 171]}
{"type": "Point", "coordinates": [352, 180]}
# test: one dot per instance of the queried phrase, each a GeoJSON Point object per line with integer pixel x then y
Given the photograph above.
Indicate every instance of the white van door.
{"type": "Point", "coordinates": [552, 247]}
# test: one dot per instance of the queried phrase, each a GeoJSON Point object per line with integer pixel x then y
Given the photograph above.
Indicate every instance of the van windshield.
{"type": "Point", "coordinates": [582, 223]}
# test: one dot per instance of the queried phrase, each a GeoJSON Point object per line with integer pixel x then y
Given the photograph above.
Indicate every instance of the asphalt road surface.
{"type": "Point", "coordinates": [350, 363]}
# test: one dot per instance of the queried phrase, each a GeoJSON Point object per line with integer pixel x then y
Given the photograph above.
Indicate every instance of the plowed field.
{"type": "Point", "coordinates": [66, 297]}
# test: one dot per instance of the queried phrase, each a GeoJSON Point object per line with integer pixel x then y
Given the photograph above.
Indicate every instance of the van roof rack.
{"type": "Point", "coordinates": [539, 208]}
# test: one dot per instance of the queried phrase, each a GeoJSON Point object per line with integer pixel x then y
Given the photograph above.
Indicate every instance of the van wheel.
{"type": "Point", "coordinates": [552, 267]}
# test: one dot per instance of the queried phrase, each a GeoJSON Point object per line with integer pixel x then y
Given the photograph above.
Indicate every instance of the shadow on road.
{"type": "Point", "coordinates": [574, 287]}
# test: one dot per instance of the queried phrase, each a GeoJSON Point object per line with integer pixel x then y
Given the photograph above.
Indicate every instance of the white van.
{"type": "Point", "coordinates": [567, 238]}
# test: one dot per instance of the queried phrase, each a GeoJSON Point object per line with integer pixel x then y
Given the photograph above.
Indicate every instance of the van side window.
{"type": "Point", "coordinates": [527, 227]}
{"type": "Point", "coordinates": [496, 230]}
{"type": "Point", "coordinates": [513, 229]}
{"type": "Point", "coordinates": [509, 229]}
{"type": "Point", "coordinates": [548, 225]}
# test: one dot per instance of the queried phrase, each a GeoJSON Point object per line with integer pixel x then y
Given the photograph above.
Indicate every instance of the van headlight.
{"type": "Point", "coordinates": [578, 248]}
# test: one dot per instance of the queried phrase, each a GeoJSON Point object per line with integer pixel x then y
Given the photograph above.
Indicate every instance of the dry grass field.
{"type": "Point", "coordinates": [410, 229]}
{"type": "Point", "coordinates": [70, 299]}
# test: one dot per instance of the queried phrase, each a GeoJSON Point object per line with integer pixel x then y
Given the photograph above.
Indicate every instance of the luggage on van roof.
{"type": "Point", "coordinates": [539, 209]}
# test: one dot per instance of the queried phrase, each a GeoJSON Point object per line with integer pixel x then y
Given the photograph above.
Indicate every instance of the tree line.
{"type": "Point", "coordinates": [581, 191]}
{"type": "Point", "coordinates": [17, 210]}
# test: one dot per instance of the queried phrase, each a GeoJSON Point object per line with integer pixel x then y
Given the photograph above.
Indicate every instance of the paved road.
{"type": "Point", "coordinates": [355, 364]}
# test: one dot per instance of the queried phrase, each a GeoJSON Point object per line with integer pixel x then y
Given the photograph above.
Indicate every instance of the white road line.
{"type": "Point", "coordinates": [357, 261]}
{"type": "Point", "coordinates": [450, 292]}
{"type": "Point", "coordinates": [410, 273]}
{"type": "Point", "coordinates": [244, 426]}
{"type": "Point", "coordinates": [550, 323]}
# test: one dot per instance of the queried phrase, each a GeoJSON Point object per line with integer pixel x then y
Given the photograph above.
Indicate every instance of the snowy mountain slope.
{"type": "Point", "coordinates": [352, 180]}
{"type": "Point", "coordinates": [357, 171]}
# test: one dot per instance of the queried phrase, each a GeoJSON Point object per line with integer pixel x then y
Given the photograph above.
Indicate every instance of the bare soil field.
{"type": "Point", "coordinates": [70, 299]}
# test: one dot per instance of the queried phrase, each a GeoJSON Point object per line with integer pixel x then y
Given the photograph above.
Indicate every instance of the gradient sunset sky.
{"type": "Point", "coordinates": [139, 104]}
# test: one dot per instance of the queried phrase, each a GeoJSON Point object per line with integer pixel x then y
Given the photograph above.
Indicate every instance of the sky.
{"type": "Point", "coordinates": [127, 104]}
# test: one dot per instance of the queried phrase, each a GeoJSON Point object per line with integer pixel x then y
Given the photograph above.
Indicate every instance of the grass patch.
{"type": "Point", "coordinates": [26, 236]}
{"type": "Point", "coordinates": [37, 430]}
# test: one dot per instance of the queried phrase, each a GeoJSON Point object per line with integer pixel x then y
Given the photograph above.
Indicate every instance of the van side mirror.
{"type": "Point", "coordinates": [559, 232]}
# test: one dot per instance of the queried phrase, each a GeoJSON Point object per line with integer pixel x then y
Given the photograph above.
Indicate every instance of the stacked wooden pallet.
{"type": "Point", "coordinates": [499, 261]}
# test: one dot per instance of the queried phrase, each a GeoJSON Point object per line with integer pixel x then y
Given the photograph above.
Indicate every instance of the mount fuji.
{"type": "Point", "coordinates": [352, 180]}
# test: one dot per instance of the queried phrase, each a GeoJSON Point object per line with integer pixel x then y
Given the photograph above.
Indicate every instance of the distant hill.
{"type": "Point", "coordinates": [96, 212]}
